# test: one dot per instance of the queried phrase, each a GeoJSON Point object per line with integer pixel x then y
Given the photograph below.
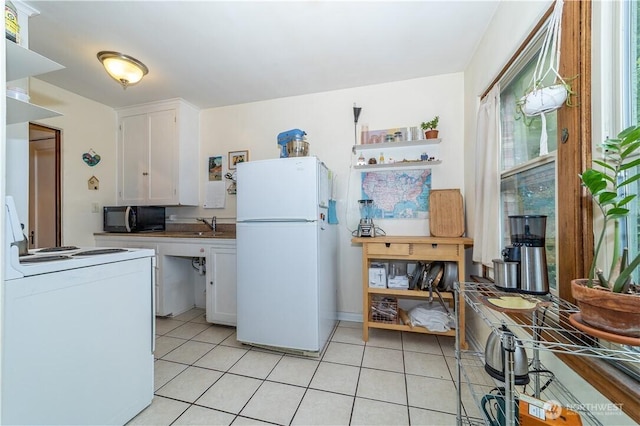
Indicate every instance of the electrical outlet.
{"type": "Point", "coordinates": [95, 208]}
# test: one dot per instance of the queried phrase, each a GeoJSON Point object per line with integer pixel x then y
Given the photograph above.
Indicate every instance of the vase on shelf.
{"type": "Point", "coordinates": [431, 134]}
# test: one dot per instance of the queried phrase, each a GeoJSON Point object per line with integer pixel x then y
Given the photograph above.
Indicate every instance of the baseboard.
{"type": "Point", "coordinates": [349, 316]}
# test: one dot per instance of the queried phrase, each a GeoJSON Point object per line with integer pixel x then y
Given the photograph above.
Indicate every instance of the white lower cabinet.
{"type": "Point", "coordinates": [178, 284]}
{"type": "Point", "coordinates": [221, 285]}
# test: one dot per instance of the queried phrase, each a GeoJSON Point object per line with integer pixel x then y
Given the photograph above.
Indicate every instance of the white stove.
{"type": "Point", "coordinates": [92, 310]}
{"type": "Point", "coordinates": [48, 260]}
{"type": "Point", "coordinates": [54, 259]}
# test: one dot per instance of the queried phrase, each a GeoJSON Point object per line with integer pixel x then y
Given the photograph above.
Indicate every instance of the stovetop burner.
{"type": "Point", "coordinates": [97, 252]}
{"type": "Point", "coordinates": [38, 259]}
{"type": "Point", "coordinates": [57, 249]}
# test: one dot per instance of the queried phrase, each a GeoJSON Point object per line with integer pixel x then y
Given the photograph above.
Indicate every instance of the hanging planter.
{"type": "Point", "coordinates": [542, 98]}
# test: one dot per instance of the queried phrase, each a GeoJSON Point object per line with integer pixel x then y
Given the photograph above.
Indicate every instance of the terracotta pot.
{"type": "Point", "coordinates": [612, 312]}
{"type": "Point", "coordinates": [431, 134]}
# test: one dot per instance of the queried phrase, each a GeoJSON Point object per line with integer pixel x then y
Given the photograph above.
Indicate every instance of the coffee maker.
{"type": "Point", "coordinates": [523, 267]}
{"type": "Point", "coordinates": [366, 228]}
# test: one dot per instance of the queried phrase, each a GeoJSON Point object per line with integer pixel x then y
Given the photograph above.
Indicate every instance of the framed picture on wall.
{"type": "Point", "coordinates": [236, 157]}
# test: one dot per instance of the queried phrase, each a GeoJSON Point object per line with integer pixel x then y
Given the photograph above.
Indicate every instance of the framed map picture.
{"type": "Point", "coordinates": [398, 194]}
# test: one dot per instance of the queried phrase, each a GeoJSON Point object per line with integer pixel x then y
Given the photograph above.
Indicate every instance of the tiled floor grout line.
{"type": "Point", "coordinates": [404, 352]}
{"type": "Point", "coordinates": [355, 393]}
{"type": "Point", "coordinates": [228, 372]}
{"type": "Point", "coordinates": [192, 365]}
{"type": "Point", "coordinates": [406, 383]}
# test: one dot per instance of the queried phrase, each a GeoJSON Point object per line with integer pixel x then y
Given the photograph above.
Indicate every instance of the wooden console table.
{"type": "Point", "coordinates": [426, 249]}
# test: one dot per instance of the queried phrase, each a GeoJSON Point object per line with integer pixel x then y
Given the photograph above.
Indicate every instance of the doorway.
{"type": "Point", "coordinates": [45, 200]}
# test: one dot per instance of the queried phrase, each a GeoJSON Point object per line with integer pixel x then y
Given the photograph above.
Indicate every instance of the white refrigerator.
{"type": "Point", "coordinates": [287, 255]}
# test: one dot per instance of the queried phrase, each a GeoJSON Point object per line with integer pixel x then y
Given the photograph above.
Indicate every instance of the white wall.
{"type": "Point", "coordinates": [85, 125]}
{"type": "Point", "coordinates": [328, 120]}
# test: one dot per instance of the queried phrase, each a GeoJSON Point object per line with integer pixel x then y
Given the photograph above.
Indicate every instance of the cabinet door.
{"type": "Point", "coordinates": [163, 158]}
{"type": "Point", "coordinates": [133, 164]}
{"type": "Point", "coordinates": [221, 286]}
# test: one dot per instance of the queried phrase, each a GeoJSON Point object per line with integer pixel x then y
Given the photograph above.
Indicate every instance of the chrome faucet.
{"type": "Point", "coordinates": [211, 224]}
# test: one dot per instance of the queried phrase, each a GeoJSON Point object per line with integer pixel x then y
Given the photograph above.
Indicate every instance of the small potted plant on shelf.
{"type": "Point", "coordinates": [430, 127]}
{"type": "Point", "coordinates": [609, 301]}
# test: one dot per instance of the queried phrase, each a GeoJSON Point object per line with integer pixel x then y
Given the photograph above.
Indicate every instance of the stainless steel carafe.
{"type": "Point", "coordinates": [526, 254]}
{"type": "Point", "coordinates": [534, 278]}
{"type": "Point", "coordinates": [506, 274]}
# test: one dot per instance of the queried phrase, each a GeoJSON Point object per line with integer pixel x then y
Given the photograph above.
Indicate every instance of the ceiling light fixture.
{"type": "Point", "coordinates": [122, 68]}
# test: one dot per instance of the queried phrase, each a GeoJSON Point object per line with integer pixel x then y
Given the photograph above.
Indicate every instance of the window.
{"type": "Point", "coordinates": [629, 63]}
{"type": "Point", "coordinates": [520, 136]}
{"type": "Point", "coordinates": [626, 106]}
{"type": "Point", "coordinates": [532, 192]}
{"type": "Point", "coordinates": [527, 181]}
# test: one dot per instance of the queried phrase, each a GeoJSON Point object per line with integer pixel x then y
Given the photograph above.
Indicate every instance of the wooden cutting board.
{"type": "Point", "coordinates": [446, 213]}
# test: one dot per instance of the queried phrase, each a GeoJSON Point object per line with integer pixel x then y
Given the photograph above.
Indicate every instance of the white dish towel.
{"type": "Point", "coordinates": [431, 316]}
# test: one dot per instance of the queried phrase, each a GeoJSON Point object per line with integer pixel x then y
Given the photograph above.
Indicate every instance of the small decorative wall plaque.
{"type": "Point", "coordinates": [94, 183]}
{"type": "Point", "coordinates": [91, 158]}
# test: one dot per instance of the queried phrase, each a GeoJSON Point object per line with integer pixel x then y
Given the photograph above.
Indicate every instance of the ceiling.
{"type": "Point", "coordinates": [218, 53]}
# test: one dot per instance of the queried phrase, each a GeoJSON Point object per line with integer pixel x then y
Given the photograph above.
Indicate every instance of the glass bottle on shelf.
{"type": "Point", "coordinates": [364, 134]}
{"type": "Point", "coordinates": [381, 159]}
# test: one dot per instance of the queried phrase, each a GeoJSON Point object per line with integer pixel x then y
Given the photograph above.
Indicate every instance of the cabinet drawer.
{"type": "Point", "coordinates": [389, 249]}
{"type": "Point", "coordinates": [416, 251]}
{"type": "Point", "coordinates": [435, 251]}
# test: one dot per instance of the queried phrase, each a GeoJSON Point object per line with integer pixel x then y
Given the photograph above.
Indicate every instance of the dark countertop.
{"type": "Point", "coordinates": [223, 231]}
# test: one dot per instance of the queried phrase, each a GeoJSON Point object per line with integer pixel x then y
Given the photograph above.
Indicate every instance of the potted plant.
{"type": "Point", "coordinates": [607, 300]}
{"type": "Point", "coordinates": [430, 127]}
{"type": "Point", "coordinates": [543, 95]}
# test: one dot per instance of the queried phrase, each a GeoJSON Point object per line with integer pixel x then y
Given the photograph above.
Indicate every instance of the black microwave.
{"type": "Point", "coordinates": [133, 219]}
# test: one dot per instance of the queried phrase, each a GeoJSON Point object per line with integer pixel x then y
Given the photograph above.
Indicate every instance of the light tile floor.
{"type": "Point", "coordinates": [203, 376]}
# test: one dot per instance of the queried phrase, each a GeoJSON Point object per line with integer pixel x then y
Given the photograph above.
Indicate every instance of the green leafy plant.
{"type": "Point", "coordinates": [430, 125]}
{"type": "Point", "coordinates": [607, 188]}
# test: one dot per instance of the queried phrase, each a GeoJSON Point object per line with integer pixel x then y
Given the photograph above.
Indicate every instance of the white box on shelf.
{"type": "Point", "coordinates": [377, 275]}
{"type": "Point", "coordinates": [399, 282]}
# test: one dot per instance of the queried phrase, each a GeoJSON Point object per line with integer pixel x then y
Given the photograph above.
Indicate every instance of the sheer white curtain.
{"type": "Point", "coordinates": [486, 237]}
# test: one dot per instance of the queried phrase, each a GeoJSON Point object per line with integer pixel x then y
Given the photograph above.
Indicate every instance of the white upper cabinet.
{"type": "Point", "coordinates": [158, 146]}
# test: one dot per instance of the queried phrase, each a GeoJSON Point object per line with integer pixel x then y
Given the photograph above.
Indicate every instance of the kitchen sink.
{"type": "Point", "coordinates": [207, 233]}
{"type": "Point", "coordinates": [198, 234]}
